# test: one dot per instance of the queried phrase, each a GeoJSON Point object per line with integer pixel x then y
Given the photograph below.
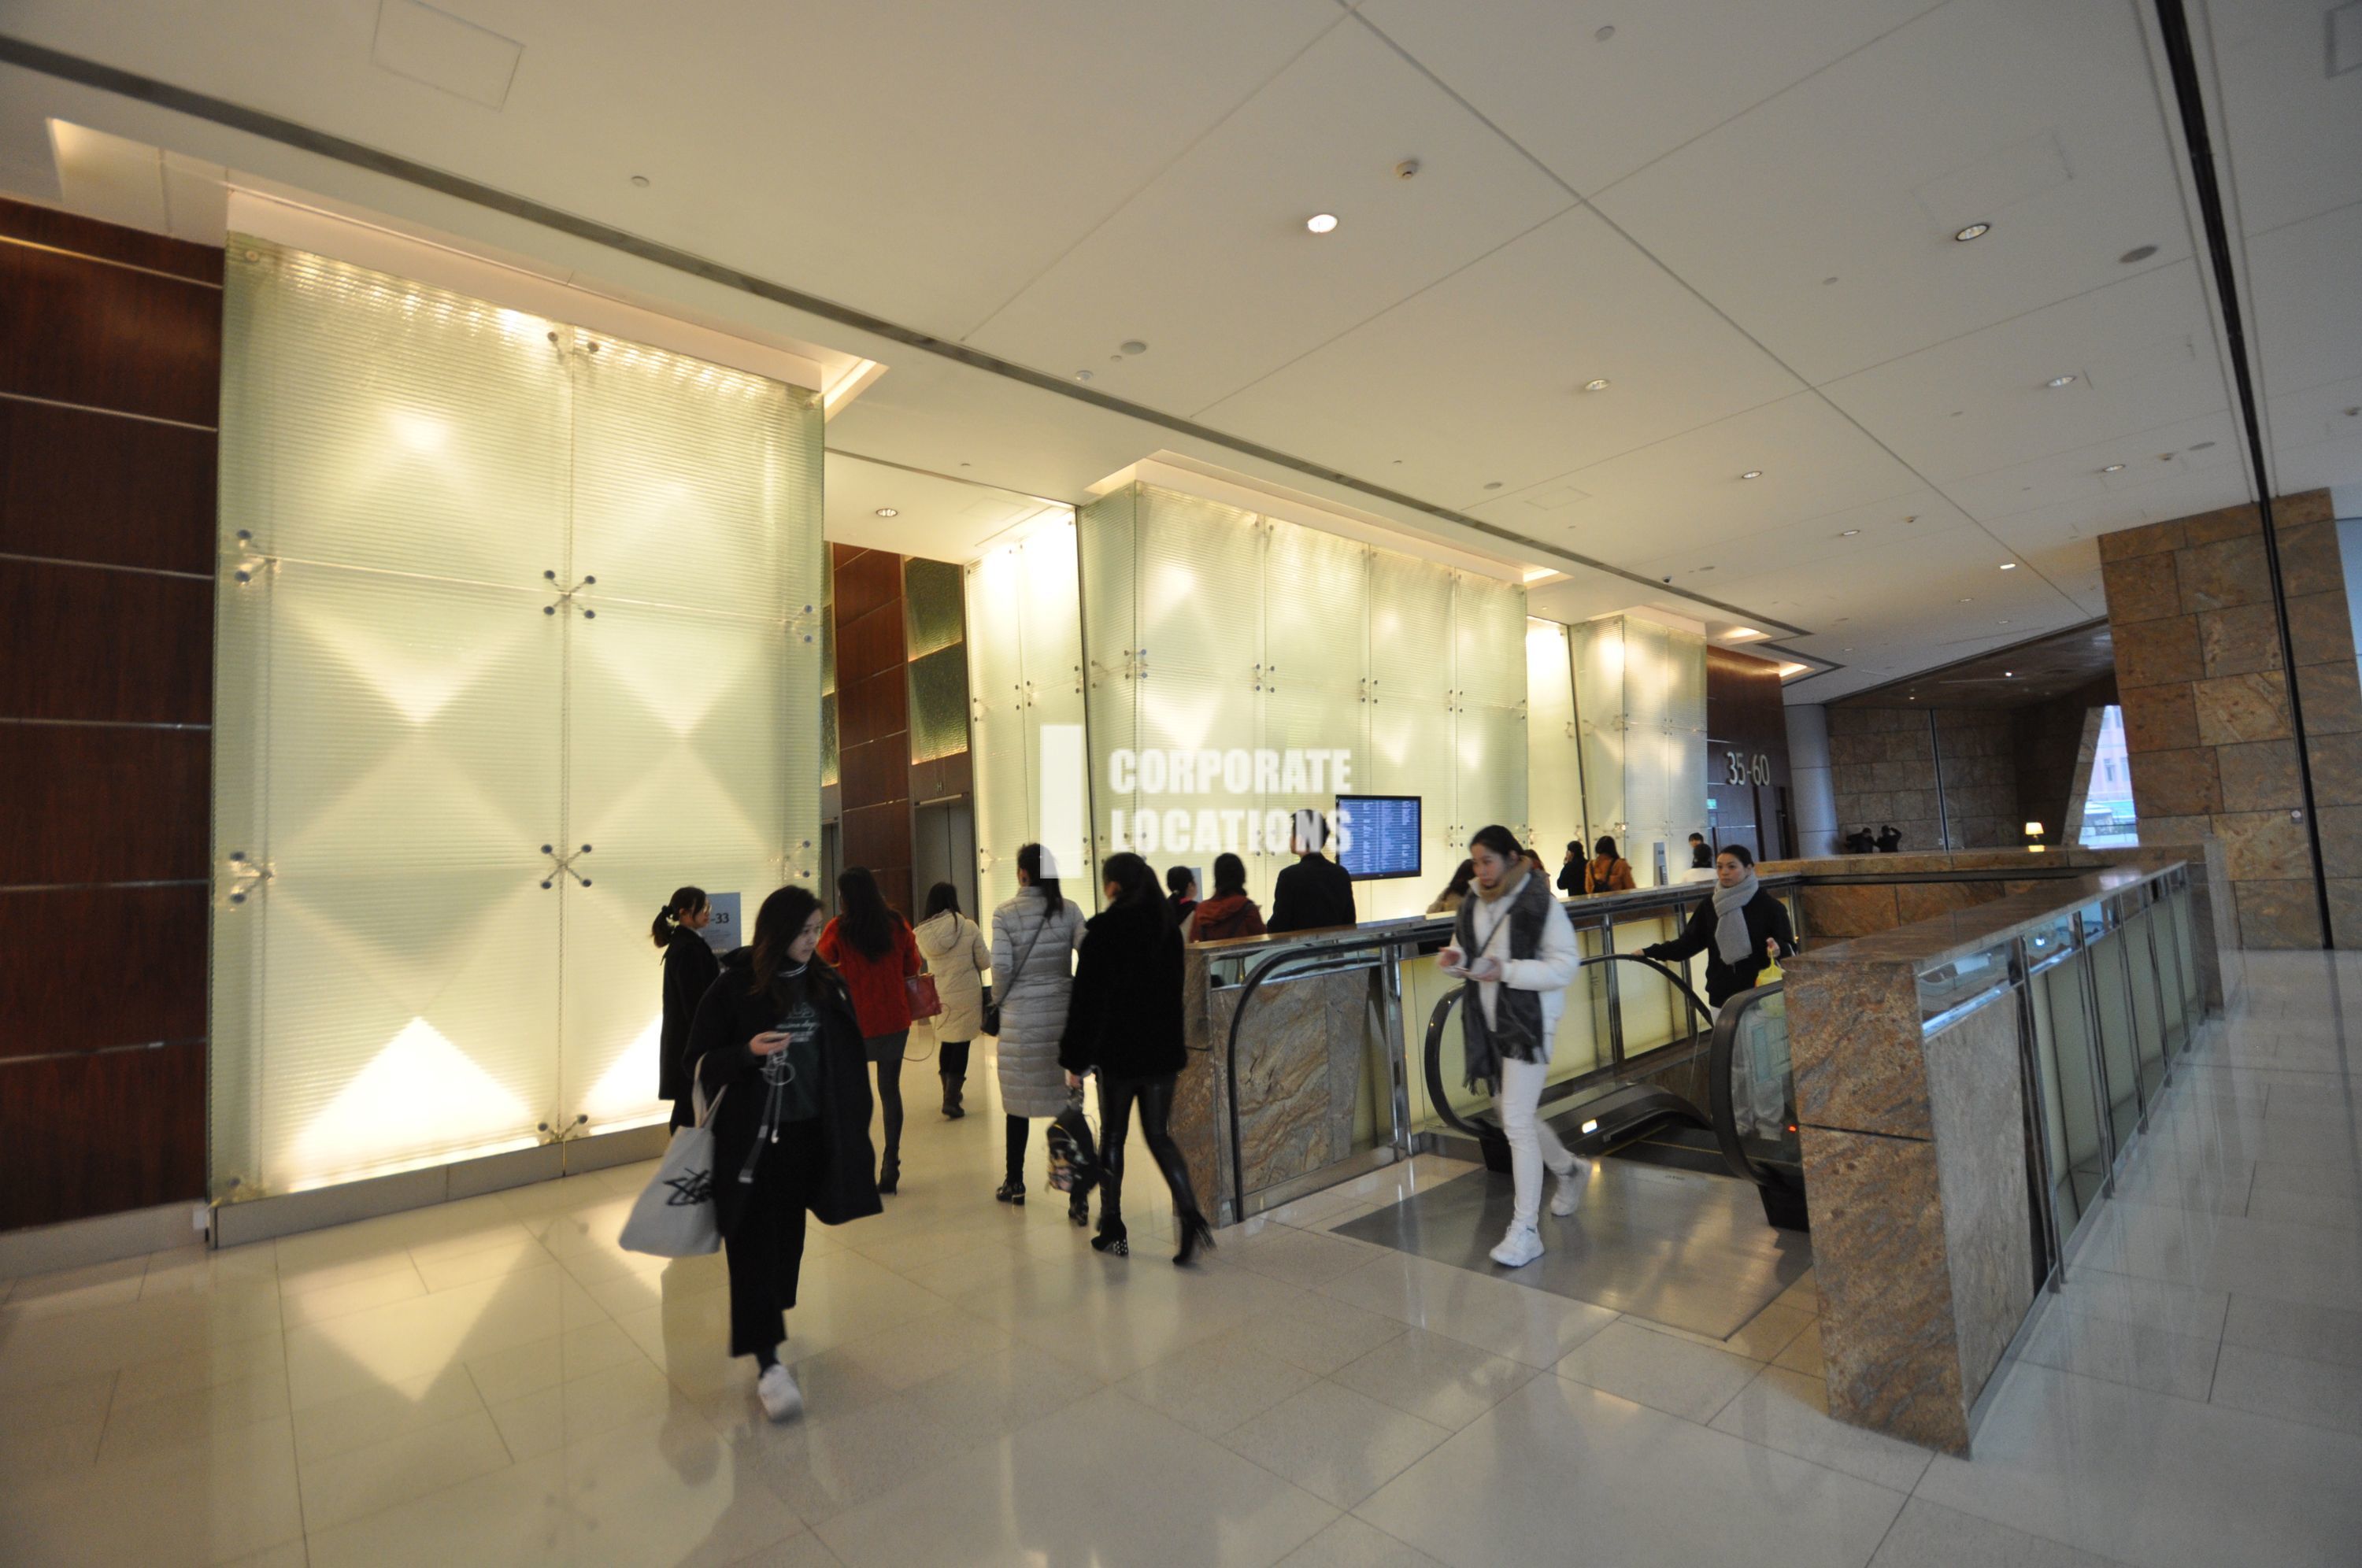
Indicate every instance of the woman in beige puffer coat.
{"type": "Point", "coordinates": [960, 961]}
{"type": "Point", "coordinates": [1034, 936]}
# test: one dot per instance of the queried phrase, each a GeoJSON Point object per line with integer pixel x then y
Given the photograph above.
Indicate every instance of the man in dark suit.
{"type": "Point", "coordinates": [1316, 891]}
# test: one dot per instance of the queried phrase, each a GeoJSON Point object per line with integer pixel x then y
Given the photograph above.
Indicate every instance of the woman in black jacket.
{"type": "Point", "coordinates": [690, 968]}
{"type": "Point", "coordinates": [778, 1054]}
{"type": "Point", "coordinates": [1123, 1023]}
{"type": "Point", "coordinates": [1739, 929]}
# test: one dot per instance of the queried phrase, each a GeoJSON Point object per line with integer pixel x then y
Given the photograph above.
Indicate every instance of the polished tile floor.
{"type": "Point", "coordinates": [494, 1381]}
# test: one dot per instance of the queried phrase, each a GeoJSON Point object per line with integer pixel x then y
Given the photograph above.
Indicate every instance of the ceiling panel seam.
{"type": "Point", "coordinates": [1225, 118]}
{"type": "Point", "coordinates": [272, 128]}
{"type": "Point", "coordinates": [1700, 294]}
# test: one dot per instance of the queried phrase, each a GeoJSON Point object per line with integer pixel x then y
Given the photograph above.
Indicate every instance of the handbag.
{"type": "Point", "coordinates": [1073, 1154]}
{"type": "Point", "coordinates": [673, 1215]}
{"type": "Point", "coordinates": [925, 1000]}
{"type": "Point", "coordinates": [991, 1020]}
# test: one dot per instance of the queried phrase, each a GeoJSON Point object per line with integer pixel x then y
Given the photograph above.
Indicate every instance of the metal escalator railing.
{"type": "Point", "coordinates": [1749, 1090]}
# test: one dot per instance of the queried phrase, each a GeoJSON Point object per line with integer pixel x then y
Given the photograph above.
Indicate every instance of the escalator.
{"type": "Point", "coordinates": [1721, 1097]}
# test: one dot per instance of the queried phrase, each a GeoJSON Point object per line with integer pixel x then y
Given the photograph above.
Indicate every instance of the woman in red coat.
{"type": "Point", "coordinates": [872, 948]}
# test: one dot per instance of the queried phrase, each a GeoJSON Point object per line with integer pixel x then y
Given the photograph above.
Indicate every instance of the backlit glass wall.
{"type": "Point", "coordinates": [1553, 745]}
{"type": "Point", "coordinates": [1025, 719]}
{"type": "Point", "coordinates": [517, 631]}
{"type": "Point", "coordinates": [1640, 687]}
{"type": "Point", "coordinates": [1265, 652]}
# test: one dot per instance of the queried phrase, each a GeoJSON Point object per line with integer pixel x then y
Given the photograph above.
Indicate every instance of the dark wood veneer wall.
{"type": "Point", "coordinates": [110, 378]}
{"type": "Point", "coordinates": [873, 719]}
{"type": "Point", "coordinates": [1746, 712]}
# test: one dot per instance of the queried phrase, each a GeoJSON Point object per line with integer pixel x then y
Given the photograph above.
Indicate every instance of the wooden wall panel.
{"type": "Point", "coordinates": [87, 968]}
{"type": "Point", "coordinates": [100, 1132]}
{"type": "Point", "coordinates": [92, 804]}
{"type": "Point", "coordinates": [85, 486]}
{"type": "Point", "coordinates": [88, 237]}
{"type": "Point", "coordinates": [1745, 713]}
{"type": "Point", "coordinates": [104, 645]}
{"type": "Point", "coordinates": [105, 694]}
{"type": "Point", "coordinates": [108, 337]}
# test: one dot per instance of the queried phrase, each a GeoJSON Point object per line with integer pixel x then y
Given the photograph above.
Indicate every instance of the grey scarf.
{"type": "Point", "coordinates": [1730, 938]}
{"type": "Point", "coordinates": [1515, 1029]}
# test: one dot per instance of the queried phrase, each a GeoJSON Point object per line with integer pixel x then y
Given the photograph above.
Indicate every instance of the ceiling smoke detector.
{"type": "Point", "coordinates": [1407, 168]}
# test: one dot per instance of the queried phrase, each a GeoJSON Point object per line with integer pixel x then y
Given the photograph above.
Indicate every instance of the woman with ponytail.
{"type": "Point", "coordinates": [690, 969]}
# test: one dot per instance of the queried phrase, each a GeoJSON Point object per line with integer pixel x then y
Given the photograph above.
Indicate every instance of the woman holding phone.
{"type": "Point", "coordinates": [1512, 944]}
{"type": "Point", "coordinates": [778, 1054]}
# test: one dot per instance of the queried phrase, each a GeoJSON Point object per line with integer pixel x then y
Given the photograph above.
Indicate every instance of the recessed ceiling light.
{"type": "Point", "coordinates": [1598, 385]}
{"type": "Point", "coordinates": [1604, 34]}
{"type": "Point", "coordinates": [1737, 633]}
{"type": "Point", "coordinates": [2059, 382]}
{"type": "Point", "coordinates": [1845, 650]}
{"type": "Point", "coordinates": [888, 512]}
{"type": "Point", "coordinates": [1321, 223]}
{"type": "Point", "coordinates": [1966, 599]}
{"type": "Point", "coordinates": [2009, 675]}
{"type": "Point", "coordinates": [1974, 231]}
{"type": "Point", "coordinates": [1491, 484]}
{"type": "Point", "coordinates": [1752, 473]}
{"type": "Point", "coordinates": [1082, 375]}
{"type": "Point", "coordinates": [2137, 253]}
{"type": "Point", "coordinates": [1849, 534]}
{"type": "Point", "coordinates": [2009, 565]}
{"type": "Point", "coordinates": [641, 181]}
{"type": "Point", "coordinates": [2114, 468]}
{"type": "Point", "coordinates": [1133, 345]}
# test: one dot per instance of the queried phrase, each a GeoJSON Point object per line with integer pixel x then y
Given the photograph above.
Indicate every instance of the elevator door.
{"type": "Point", "coordinates": [943, 845]}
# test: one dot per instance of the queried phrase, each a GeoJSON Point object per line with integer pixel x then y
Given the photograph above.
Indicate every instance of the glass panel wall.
{"type": "Point", "coordinates": [1554, 747]}
{"type": "Point", "coordinates": [1026, 707]}
{"type": "Point", "coordinates": [518, 633]}
{"type": "Point", "coordinates": [1640, 694]}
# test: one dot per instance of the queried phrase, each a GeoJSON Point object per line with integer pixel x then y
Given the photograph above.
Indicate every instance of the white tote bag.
{"type": "Point", "coordinates": [675, 1216]}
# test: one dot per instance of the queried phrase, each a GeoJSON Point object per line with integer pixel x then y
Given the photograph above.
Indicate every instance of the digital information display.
{"type": "Point", "coordinates": [1381, 836]}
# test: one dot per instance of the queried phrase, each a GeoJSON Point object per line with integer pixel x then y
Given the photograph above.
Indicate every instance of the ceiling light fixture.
{"type": "Point", "coordinates": [2114, 468]}
{"type": "Point", "coordinates": [2137, 253]}
{"type": "Point", "coordinates": [1974, 231]}
{"type": "Point", "coordinates": [1082, 375]}
{"type": "Point", "coordinates": [1321, 223]}
{"type": "Point", "coordinates": [641, 181]}
{"type": "Point", "coordinates": [1752, 473]}
{"type": "Point", "coordinates": [888, 512]}
{"type": "Point", "coordinates": [1965, 599]}
{"type": "Point", "coordinates": [1133, 345]}
{"type": "Point", "coordinates": [1600, 384]}
{"type": "Point", "coordinates": [2009, 565]}
{"type": "Point", "coordinates": [1604, 34]}
{"type": "Point", "coordinates": [1491, 484]}
{"type": "Point", "coordinates": [1737, 633]}
{"type": "Point", "coordinates": [1849, 534]}
{"type": "Point", "coordinates": [2059, 382]}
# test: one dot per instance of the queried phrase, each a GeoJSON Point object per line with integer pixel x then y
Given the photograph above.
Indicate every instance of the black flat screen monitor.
{"type": "Point", "coordinates": [1381, 836]}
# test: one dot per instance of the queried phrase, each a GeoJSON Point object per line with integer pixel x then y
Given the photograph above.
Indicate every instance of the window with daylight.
{"type": "Point", "coordinates": [2108, 819]}
{"type": "Point", "coordinates": [517, 631]}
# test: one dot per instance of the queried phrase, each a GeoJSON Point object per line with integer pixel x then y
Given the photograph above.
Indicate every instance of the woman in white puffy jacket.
{"type": "Point", "coordinates": [1514, 945]}
{"type": "Point", "coordinates": [1034, 936]}
{"type": "Point", "coordinates": [961, 962]}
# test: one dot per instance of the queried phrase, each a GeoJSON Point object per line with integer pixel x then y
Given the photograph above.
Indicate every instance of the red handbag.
{"type": "Point", "coordinates": [924, 1000]}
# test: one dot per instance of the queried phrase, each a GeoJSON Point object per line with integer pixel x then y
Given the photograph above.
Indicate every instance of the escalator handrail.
{"type": "Point", "coordinates": [1436, 1019]}
{"type": "Point", "coordinates": [1722, 1111]}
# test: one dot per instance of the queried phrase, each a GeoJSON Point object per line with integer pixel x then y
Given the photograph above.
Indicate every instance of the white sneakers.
{"type": "Point", "coordinates": [1571, 1183]}
{"type": "Point", "coordinates": [1523, 1244]}
{"type": "Point", "coordinates": [781, 1399]}
{"type": "Point", "coordinates": [1521, 1247]}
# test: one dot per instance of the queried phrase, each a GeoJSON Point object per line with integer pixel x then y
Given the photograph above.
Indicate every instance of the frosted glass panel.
{"type": "Point", "coordinates": [939, 704]}
{"type": "Point", "coordinates": [1201, 585]}
{"type": "Point", "coordinates": [1106, 557]}
{"type": "Point", "coordinates": [1410, 627]}
{"type": "Point", "coordinates": [370, 421]}
{"type": "Point", "coordinates": [1316, 610]}
{"type": "Point", "coordinates": [1491, 783]}
{"type": "Point", "coordinates": [679, 468]}
{"type": "Point", "coordinates": [422, 732]}
{"type": "Point", "coordinates": [997, 721]}
{"type": "Point", "coordinates": [1489, 624]}
{"type": "Point", "coordinates": [1553, 777]}
{"type": "Point", "coordinates": [1411, 753]}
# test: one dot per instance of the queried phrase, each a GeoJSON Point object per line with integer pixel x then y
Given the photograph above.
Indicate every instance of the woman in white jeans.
{"type": "Point", "coordinates": [1515, 948]}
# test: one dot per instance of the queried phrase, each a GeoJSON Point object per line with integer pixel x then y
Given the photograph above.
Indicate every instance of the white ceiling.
{"type": "Point", "coordinates": [1741, 216]}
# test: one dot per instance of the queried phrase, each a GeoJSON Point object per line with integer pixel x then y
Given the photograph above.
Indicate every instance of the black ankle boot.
{"type": "Point", "coordinates": [952, 1088]}
{"type": "Point", "coordinates": [1078, 1210]}
{"type": "Point", "coordinates": [1112, 1239]}
{"type": "Point", "coordinates": [890, 1179]}
{"type": "Point", "coordinates": [1195, 1233]}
